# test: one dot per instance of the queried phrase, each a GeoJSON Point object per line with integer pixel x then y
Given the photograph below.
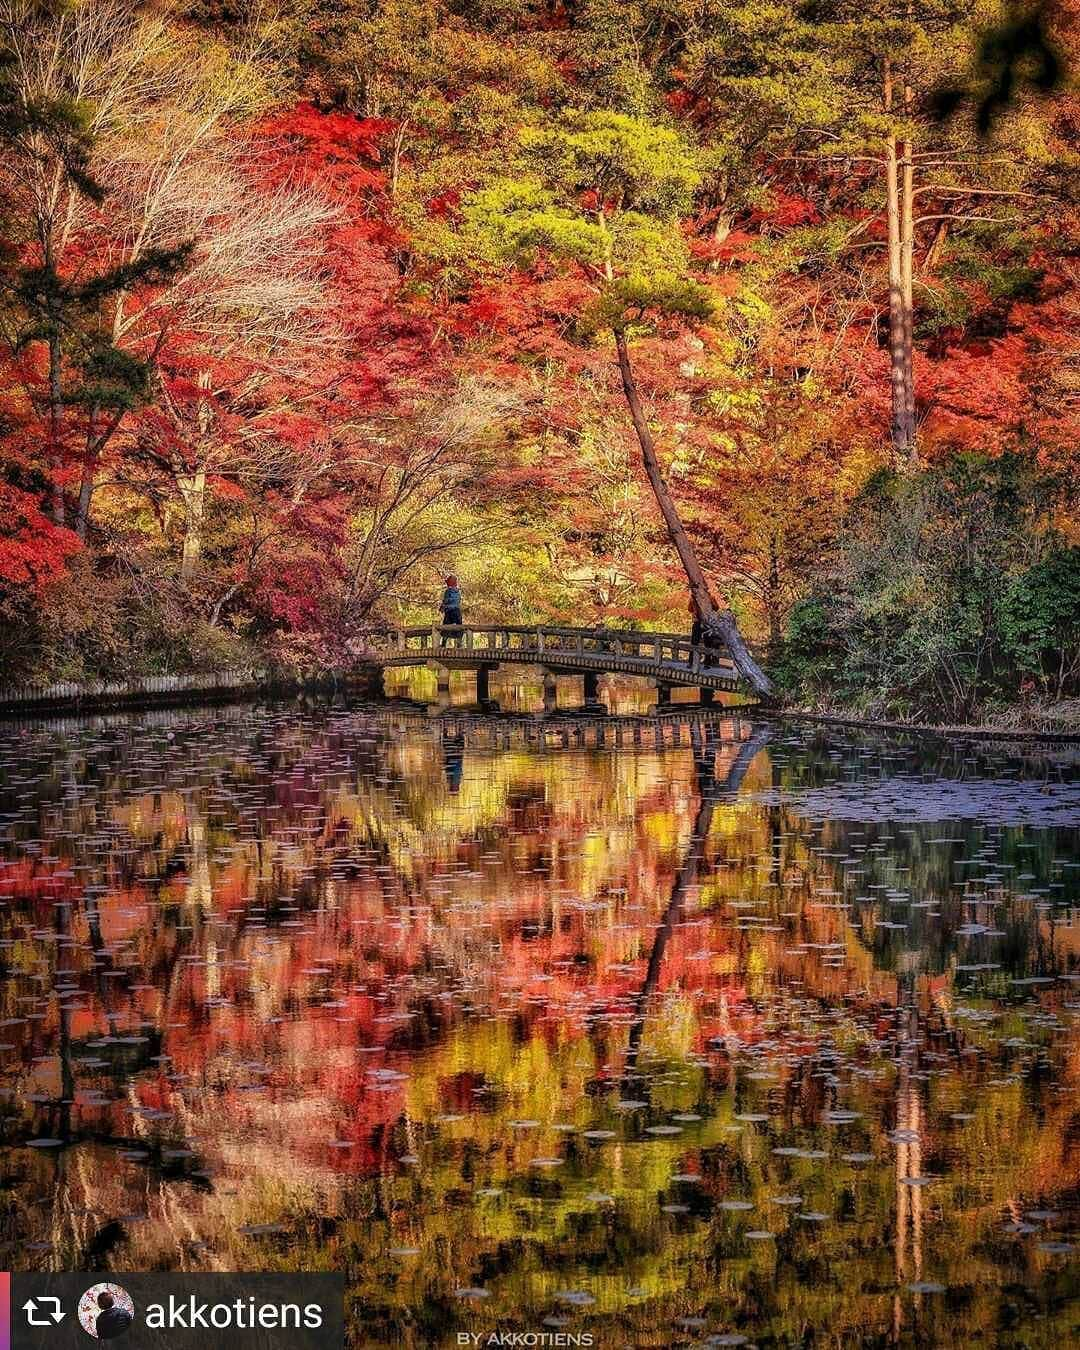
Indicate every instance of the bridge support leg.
{"type": "Point", "coordinates": [592, 692]}
{"type": "Point", "coordinates": [368, 682]}
{"type": "Point", "coordinates": [442, 678]}
{"type": "Point", "coordinates": [706, 696]}
{"type": "Point", "coordinates": [663, 694]}
{"type": "Point", "coordinates": [483, 688]}
{"type": "Point", "coordinates": [551, 692]}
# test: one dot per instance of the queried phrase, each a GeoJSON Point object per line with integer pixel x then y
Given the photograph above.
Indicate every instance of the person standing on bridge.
{"type": "Point", "coordinates": [698, 635]}
{"type": "Point", "coordinates": [450, 604]}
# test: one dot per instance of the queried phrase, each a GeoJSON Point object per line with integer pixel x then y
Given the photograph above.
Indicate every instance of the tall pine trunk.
{"type": "Point", "coordinates": [56, 414]}
{"type": "Point", "coordinates": [717, 622]}
{"type": "Point", "coordinates": [907, 257]}
{"type": "Point", "coordinates": [192, 485]}
{"type": "Point", "coordinates": [193, 495]}
{"type": "Point", "coordinates": [898, 216]}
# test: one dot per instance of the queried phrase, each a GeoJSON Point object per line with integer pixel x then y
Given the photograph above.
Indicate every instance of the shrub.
{"type": "Point", "coordinates": [950, 589]}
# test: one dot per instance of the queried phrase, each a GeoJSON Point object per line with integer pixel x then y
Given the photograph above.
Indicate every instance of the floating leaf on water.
{"type": "Point", "coordinates": [472, 1293]}
{"type": "Point", "coordinates": [663, 1129]}
{"type": "Point", "coordinates": [926, 1287]}
{"type": "Point", "coordinates": [579, 1297]}
{"type": "Point", "coordinates": [44, 1143]}
{"type": "Point", "coordinates": [857, 1157]}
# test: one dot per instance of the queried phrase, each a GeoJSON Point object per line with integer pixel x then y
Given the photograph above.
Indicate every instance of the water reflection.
{"type": "Point", "coordinates": [678, 1030]}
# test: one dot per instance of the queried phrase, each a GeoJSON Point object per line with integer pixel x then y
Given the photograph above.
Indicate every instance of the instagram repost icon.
{"type": "Point", "coordinates": [106, 1311]}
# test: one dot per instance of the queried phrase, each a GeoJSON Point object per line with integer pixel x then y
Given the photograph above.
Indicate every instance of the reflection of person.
{"type": "Point", "coordinates": [453, 759]}
{"type": "Point", "coordinates": [111, 1320]}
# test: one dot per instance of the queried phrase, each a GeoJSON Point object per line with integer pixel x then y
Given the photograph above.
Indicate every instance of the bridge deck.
{"type": "Point", "coordinates": [670, 658]}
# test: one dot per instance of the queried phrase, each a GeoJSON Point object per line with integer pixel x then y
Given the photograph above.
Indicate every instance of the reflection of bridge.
{"type": "Point", "coordinates": [666, 658]}
{"type": "Point", "coordinates": [681, 729]}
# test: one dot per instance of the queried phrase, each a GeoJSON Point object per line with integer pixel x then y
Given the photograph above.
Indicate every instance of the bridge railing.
{"type": "Point", "coordinates": [542, 641]}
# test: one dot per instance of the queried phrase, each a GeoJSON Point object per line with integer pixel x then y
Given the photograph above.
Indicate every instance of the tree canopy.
{"type": "Point", "coordinates": [606, 307]}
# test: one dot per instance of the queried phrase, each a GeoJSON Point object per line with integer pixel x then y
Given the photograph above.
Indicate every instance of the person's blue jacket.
{"type": "Point", "coordinates": [451, 599]}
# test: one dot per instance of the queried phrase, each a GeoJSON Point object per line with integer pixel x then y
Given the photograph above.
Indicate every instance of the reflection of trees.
{"type": "Point", "coordinates": [597, 857]}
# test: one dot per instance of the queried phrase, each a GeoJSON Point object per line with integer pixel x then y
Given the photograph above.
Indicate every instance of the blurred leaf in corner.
{"type": "Point", "coordinates": [1017, 52]}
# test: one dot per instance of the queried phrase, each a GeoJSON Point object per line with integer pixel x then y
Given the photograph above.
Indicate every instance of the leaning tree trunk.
{"type": "Point", "coordinates": [717, 622]}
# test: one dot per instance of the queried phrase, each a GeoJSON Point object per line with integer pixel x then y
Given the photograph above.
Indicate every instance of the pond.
{"type": "Point", "coordinates": [681, 1030]}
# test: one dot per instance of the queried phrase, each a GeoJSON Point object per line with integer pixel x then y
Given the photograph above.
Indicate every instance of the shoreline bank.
{"type": "Point", "coordinates": [218, 686]}
{"type": "Point", "coordinates": [987, 732]}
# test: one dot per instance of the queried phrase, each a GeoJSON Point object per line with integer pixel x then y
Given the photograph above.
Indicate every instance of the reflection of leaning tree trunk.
{"type": "Point", "coordinates": [711, 793]}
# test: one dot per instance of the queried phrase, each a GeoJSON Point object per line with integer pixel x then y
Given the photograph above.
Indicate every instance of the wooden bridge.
{"type": "Point", "coordinates": [668, 659]}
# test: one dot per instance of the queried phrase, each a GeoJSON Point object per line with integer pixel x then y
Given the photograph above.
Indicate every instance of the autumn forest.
{"type": "Point", "coordinates": [613, 308]}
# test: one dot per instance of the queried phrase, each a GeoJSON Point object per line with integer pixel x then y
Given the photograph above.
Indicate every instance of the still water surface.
{"type": "Point", "coordinates": [718, 1032]}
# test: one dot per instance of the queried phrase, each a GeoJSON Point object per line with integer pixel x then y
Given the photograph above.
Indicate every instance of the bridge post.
{"type": "Point", "coordinates": [706, 696]}
{"type": "Point", "coordinates": [368, 681]}
{"type": "Point", "coordinates": [663, 693]}
{"type": "Point", "coordinates": [551, 691]}
{"type": "Point", "coordinates": [483, 688]}
{"type": "Point", "coordinates": [442, 677]}
{"type": "Point", "coordinates": [592, 691]}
